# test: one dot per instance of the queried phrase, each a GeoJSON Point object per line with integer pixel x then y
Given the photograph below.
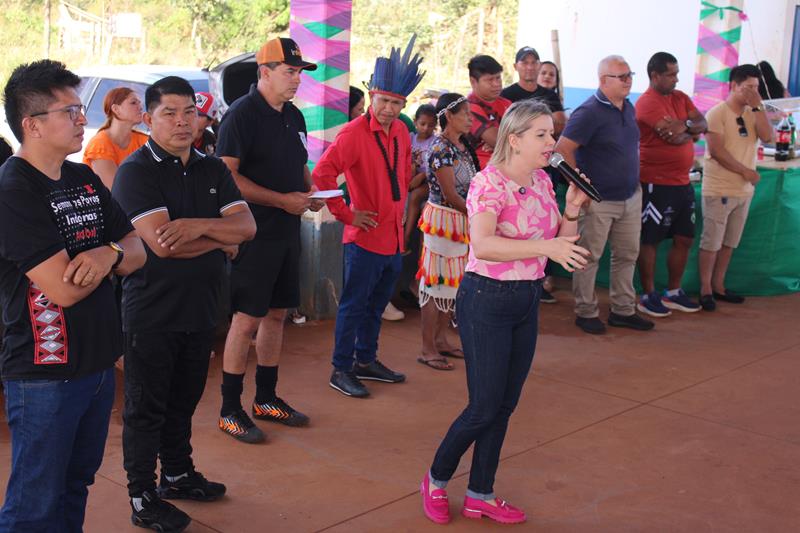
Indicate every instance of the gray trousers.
{"type": "Point", "coordinates": [620, 224]}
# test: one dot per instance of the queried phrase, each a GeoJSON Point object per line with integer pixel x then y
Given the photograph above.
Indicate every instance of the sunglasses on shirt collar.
{"type": "Point", "coordinates": [742, 127]}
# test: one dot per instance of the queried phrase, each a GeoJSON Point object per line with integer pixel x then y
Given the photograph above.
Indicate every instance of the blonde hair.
{"type": "Point", "coordinates": [516, 121]}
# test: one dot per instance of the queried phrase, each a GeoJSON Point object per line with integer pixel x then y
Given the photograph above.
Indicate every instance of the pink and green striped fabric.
{"type": "Point", "coordinates": [322, 30]}
{"type": "Point", "coordinates": [717, 53]}
{"type": "Point", "coordinates": [717, 50]}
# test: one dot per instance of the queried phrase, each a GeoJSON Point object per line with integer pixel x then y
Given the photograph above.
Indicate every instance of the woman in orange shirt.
{"type": "Point", "coordinates": [116, 139]}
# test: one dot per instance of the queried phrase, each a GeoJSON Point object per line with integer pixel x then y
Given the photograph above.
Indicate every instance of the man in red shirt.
{"type": "Point", "coordinates": [669, 123]}
{"type": "Point", "coordinates": [486, 104]}
{"type": "Point", "coordinates": [374, 153]}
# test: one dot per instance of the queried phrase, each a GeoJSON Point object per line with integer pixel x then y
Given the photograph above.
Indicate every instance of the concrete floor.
{"type": "Point", "coordinates": [693, 427]}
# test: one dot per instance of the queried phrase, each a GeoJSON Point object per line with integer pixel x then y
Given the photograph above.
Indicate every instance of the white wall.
{"type": "Point", "coordinates": [592, 29]}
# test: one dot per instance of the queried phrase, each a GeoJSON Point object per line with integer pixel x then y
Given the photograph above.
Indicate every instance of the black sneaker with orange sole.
{"type": "Point", "coordinates": [239, 426]}
{"type": "Point", "coordinates": [279, 411]}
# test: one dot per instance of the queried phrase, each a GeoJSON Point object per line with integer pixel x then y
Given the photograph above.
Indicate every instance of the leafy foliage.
{"type": "Point", "coordinates": [205, 32]}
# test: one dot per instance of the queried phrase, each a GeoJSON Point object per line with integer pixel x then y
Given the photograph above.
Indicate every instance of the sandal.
{"type": "Point", "coordinates": [458, 353]}
{"type": "Point", "coordinates": [437, 363]}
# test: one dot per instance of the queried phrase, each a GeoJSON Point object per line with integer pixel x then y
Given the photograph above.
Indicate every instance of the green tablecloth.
{"type": "Point", "coordinates": [767, 261]}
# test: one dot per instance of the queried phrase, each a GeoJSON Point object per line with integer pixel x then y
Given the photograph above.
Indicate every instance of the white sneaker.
{"type": "Point", "coordinates": [392, 313]}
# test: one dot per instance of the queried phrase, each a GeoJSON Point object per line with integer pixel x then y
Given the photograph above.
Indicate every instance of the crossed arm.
{"type": "Point", "coordinates": [185, 238]}
{"type": "Point", "coordinates": [675, 131]}
{"type": "Point", "coordinates": [67, 282]}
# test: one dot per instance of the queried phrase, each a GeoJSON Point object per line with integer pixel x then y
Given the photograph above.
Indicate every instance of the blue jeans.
{"type": "Point", "coordinates": [369, 280]}
{"type": "Point", "coordinates": [498, 325]}
{"type": "Point", "coordinates": [58, 433]}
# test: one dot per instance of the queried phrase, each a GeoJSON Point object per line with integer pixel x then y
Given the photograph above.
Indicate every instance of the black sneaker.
{"type": "Point", "coordinates": [193, 486]}
{"type": "Point", "coordinates": [593, 326]}
{"type": "Point", "coordinates": [159, 515]}
{"type": "Point", "coordinates": [729, 296]}
{"type": "Point", "coordinates": [547, 298]}
{"type": "Point", "coordinates": [377, 371]}
{"type": "Point", "coordinates": [279, 411]}
{"type": "Point", "coordinates": [633, 321]}
{"type": "Point", "coordinates": [348, 384]}
{"type": "Point", "coordinates": [707, 302]}
{"type": "Point", "coordinates": [239, 426]}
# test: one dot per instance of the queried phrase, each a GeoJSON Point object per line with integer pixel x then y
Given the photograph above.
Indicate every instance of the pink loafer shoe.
{"type": "Point", "coordinates": [435, 503]}
{"type": "Point", "coordinates": [503, 512]}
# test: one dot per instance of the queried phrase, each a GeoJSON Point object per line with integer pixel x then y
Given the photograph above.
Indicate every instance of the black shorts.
{"type": "Point", "coordinates": [667, 211]}
{"type": "Point", "coordinates": [266, 275]}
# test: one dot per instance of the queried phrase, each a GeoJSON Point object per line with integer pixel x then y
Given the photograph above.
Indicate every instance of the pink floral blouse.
{"type": "Point", "coordinates": [532, 214]}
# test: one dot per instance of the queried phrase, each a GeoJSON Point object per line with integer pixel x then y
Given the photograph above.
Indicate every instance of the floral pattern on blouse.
{"type": "Point", "coordinates": [444, 153]}
{"type": "Point", "coordinates": [532, 214]}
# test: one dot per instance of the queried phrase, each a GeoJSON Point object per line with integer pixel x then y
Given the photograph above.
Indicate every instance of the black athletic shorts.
{"type": "Point", "coordinates": [667, 210]}
{"type": "Point", "coordinates": [266, 275]}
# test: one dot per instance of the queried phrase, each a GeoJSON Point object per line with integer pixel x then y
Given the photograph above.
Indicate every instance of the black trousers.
{"type": "Point", "coordinates": [165, 375]}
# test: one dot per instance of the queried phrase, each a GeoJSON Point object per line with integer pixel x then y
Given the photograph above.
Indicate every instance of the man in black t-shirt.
{"type": "Point", "coordinates": [189, 213]}
{"type": "Point", "coordinates": [262, 139]}
{"type": "Point", "coordinates": [61, 234]}
{"type": "Point", "coordinates": [527, 65]}
{"type": "Point", "coordinates": [5, 150]}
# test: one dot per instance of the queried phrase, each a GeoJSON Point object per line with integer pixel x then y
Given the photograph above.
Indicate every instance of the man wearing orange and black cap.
{"type": "Point", "coordinates": [262, 140]}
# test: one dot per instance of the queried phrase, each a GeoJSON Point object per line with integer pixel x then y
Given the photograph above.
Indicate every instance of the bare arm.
{"type": "Point", "coordinates": [673, 131]}
{"type": "Point", "coordinates": [235, 226]}
{"type": "Point", "coordinates": [575, 199]}
{"type": "Point", "coordinates": [134, 257]}
{"type": "Point", "coordinates": [490, 247]}
{"type": "Point", "coordinates": [763, 127]}
{"type": "Point", "coordinates": [146, 229]}
{"type": "Point", "coordinates": [717, 150]}
{"type": "Point", "coordinates": [559, 121]}
{"type": "Point", "coordinates": [67, 282]}
{"type": "Point", "coordinates": [447, 181]}
{"type": "Point", "coordinates": [699, 124]}
{"type": "Point", "coordinates": [106, 169]}
{"type": "Point", "coordinates": [567, 147]}
{"type": "Point", "coordinates": [49, 276]}
{"type": "Point", "coordinates": [489, 136]}
{"type": "Point", "coordinates": [316, 205]}
{"type": "Point", "coordinates": [293, 202]}
{"type": "Point", "coordinates": [416, 181]}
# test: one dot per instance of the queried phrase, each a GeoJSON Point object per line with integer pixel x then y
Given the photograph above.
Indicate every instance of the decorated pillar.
{"type": "Point", "coordinates": [322, 30]}
{"type": "Point", "coordinates": [717, 50]}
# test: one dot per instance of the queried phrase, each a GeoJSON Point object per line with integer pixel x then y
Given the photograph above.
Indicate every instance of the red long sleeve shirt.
{"type": "Point", "coordinates": [356, 154]}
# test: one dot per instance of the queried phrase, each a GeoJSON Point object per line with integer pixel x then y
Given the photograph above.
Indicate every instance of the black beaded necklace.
{"type": "Point", "coordinates": [392, 170]}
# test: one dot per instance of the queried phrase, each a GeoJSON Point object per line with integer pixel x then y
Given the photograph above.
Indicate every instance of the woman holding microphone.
{"type": "Point", "coordinates": [515, 227]}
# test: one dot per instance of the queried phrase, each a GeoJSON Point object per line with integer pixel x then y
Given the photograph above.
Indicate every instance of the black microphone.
{"type": "Point", "coordinates": [557, 161]}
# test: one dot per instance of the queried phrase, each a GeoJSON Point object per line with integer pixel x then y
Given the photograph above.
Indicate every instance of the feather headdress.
{"type": "Point", "coordinates": [397, 75]}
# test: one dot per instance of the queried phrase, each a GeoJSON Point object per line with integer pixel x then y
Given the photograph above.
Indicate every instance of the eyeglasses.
{"type": "Point", "coordinates": [621, 77]}
{"type": "Point", "coordinates": [74, 111]}
{"type": "Point", "coordinates": [742, 127]}
{"type": "Point", "coordinates": [451, 105]}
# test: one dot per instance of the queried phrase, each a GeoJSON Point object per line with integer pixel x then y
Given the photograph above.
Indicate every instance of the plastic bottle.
{"type": "Point", "coordinates": [793, 137]}
{"type": "Point", "coordinates": [783, 139]}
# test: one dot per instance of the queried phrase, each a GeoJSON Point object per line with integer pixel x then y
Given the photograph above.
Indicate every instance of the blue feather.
{"type": "Point", "coordinates": [398, 74]}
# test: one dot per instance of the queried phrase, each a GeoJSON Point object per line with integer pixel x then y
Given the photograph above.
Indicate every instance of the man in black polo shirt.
{"type": "Point", "coordinates": [188, 211]}
{"type": "Point", "coordinates": [527, 65]}
{"type": "Point", "coordinates": [61, 234]}
{"type": "Point", "coordinates": [262, 139]}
